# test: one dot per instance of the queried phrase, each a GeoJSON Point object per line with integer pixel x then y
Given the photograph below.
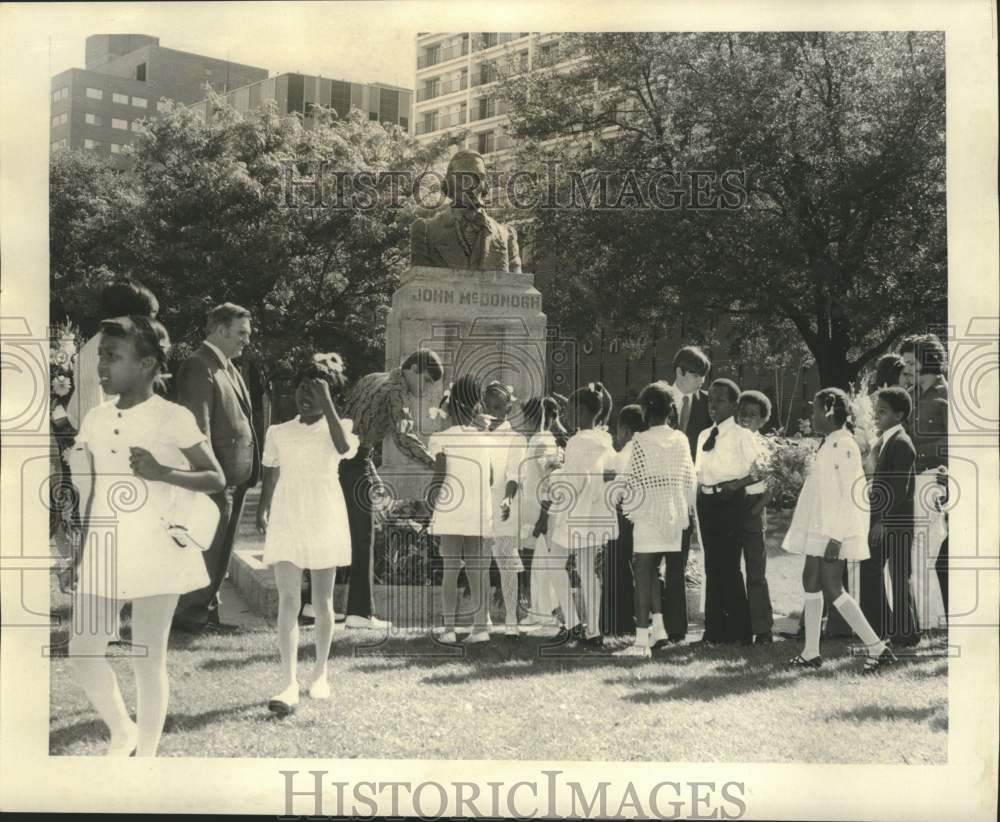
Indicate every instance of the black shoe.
{"type": "Point", "coordinates": [745, 642]}
{"type": "Point", "coordinates": [593, 641]}
{"type": "Point", "coordinates": [801, 662]}
{"type": "Point", "coordinates": [306, 621]}
{"type": "Point", "coordinates": [874, 665]}
{"type": "Point", "coordinates": [577, 631]}
{"type": "Point", "coordinates": [192, 628]}
{"type": "Point", "coordinates": [676, 639]}
{"type": "Point", "coordinates": [764, 639]}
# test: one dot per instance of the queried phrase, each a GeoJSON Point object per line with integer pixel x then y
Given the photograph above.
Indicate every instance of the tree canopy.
{"type": "Point", "coordinates": [839, 226]}
{"type": "Point", "coordinates": [207, 214]}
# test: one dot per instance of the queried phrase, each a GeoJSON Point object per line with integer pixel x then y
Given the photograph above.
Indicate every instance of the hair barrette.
{"type": "Point", "coordinates": [331, 361]}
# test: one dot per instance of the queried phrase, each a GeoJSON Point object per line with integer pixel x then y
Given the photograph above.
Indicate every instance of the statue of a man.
{"type": "Point", "coordinates": [465, 236]}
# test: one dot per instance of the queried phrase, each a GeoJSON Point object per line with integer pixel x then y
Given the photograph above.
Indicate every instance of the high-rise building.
{"type": "Point", "coordinates": [301, 93]}
{"type": "Point", "coordinates": [98, 107]}
{"type": "Point", "coordinates": [456, 74]}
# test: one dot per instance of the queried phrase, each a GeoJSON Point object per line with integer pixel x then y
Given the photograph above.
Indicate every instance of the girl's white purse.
{"type": "Point", "coordinates": [192, 519]}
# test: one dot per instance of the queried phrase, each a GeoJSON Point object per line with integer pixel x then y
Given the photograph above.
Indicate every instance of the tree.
{"type": "Point", "coordinates": [224, 210]}
{"type": "Point", "coordinates": [839, 227]}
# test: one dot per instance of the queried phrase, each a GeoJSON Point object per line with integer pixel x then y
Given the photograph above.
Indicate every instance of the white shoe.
{"type": "Point", "coordinates": [511, 630]}
{"type": "Point", "coordinates": [640, 651]}
{"type": "Point", "coordinates": [320, 689]}
{"type": "Point", "coordinates": [371, 623]}
{"type": "Point", "coordinates": [339, 617]}
{"type": "Point", "coordinates": [126, 745]}
{"type": "Point", "coordinates": [479, 636]}
{"type": "Point", "coordinates": [448, 637]}
{"type": "Point", "coordinates": [659, 632]}
{"type": "Point", "coordinates": [309, 611]}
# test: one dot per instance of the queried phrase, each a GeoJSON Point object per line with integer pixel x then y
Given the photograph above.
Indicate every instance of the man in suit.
{"type": "Point", "coordinates": [465, 236]}
{"type": "Point", "coordinates": [891, 536]}
{"type": "Point", "coordinates": [691, 367]}
{"type": "Point", "coordinates": [212, 388]}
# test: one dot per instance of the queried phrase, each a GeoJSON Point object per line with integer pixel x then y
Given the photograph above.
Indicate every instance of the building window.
{"type": "Point", "coordinates": [60, 94]}
{"type": "Point", "coordinates": [120, 98]}
{"type": "Point", "coordinates": [93, 119]}
{"type": "Point", "coordinates": [95, 93]}
{"type": "Point", "coordinates": [404, 123]}
{"type": "Point", "coordinates": [140, 72]}
{"type": "Point", "coordinates": [136, 126]}
{"type": "Point", "coordinates": [140, 102]}
{"type": "Point", "coordinates": [60, 119]}
{"type": "Point", "coordinates": [91, 144]}
{"type": "Point", "coordinates": [116, 148]}
{"type": "Point", "coordinates": [59, 145]}
{"type": "Point", "coordinates": [121, 125]}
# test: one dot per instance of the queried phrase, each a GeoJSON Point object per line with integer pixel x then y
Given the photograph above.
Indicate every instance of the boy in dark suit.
{"type": "Point", "coordinates": [691, 367]}
{"type": "Point", "coordinates": [891, 535]}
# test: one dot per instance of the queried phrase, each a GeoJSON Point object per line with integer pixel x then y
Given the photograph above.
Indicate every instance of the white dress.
{"type": "Point", "coordinates": [542, 448]}
{"type": "Point", "coordinates": [661, 482]}
{"type": "Point", "coordinates": [583, 512]}
{"type": "Point", "coordinates": [308, 523]}
{"type": "Point", "coordinates": [508, 458]}
{"type": "Point", "coordinates": [465, 505]}
{"type": "Point", "coordinates": [141, 559]}
{"type": "Point", "coordinates": [833, 503]}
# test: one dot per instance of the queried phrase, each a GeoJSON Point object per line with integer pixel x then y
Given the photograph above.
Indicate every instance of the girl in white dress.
{"type": "Point", "coordinates": [661, 483]}
{"type": "Point", "coordinates": [830, 525]}
{"type": "Point", "coordinates": [141, 449]}
{"type": "Point", "coordinates": [582, 515]}
{"type": "Point", "coordinates": [303, 513]}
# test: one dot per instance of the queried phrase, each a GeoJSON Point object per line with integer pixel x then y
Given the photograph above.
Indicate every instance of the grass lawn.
{"type": "Point", "coordinates": [410, 697]}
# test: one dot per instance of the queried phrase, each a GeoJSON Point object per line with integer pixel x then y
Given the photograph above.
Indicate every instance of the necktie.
{"type": "Point", "coordinates": [685, 413]}
{"type": "Point", "coordinates": [712, 437]}
{"type": "Point", "coordinates": [876, 450]}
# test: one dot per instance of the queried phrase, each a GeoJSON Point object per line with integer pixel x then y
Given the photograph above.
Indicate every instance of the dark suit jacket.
{"type": "Point", "coordinates": [221, 407]}
{"type": "Point", "coordinates": [699, 419]}
{"type": "Point", "coordinates": [434, 242]}
{"type": "Point", "coordinates": [892, 484]}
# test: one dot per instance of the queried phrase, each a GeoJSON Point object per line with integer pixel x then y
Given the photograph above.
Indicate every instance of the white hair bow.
{"type": "Point", "coordinates": [331, 361]}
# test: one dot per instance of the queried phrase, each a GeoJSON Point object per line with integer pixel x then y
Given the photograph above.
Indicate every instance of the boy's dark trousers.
{"type": "Point", "coordinates": [753, 525]}
{"type": "Point", "coordinates": [674, 588]}
{"type": "Point", "coordinates": [898, 623]}
{"type": "Point", "coordinates": [617, 589]}
{"type": "Point", "coordinates": [727, 612]}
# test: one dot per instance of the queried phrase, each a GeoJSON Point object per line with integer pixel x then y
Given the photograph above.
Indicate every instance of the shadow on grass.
{"type": "Point", "coordinates": [890, 712]}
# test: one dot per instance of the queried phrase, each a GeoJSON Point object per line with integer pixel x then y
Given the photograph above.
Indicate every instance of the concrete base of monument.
{"type": "Point", "coordinates": [488, 324]}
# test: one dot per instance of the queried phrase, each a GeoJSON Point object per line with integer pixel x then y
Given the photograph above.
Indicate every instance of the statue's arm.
{"type": "Point", "coordinates": [513, 251]}
{"type": "Point", "coordinates": [420, 252]}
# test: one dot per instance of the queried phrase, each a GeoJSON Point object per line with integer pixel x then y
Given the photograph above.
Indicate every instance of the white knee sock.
{"type": "Point", "coordinates": [659, 631]}
{"type": "Point", "coordinates": [642, 637]}
{"type": "Point", "coordinates": [851, 612]}
{"type": "Point", "coordinates": [812, 615]}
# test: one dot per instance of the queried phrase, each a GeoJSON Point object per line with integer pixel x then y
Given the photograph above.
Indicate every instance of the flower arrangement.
{"type": "Point", "coordinates": [64, 529]}
{"type": "Point", "coordinates": [784, 466]}
{"type": "Point", "coordinates": [863, 417]}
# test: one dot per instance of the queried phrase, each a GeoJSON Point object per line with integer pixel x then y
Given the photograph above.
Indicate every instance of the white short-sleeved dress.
{"type": "Point", "coordinates": [833, 503]}
{"type": "Point", "coordinates": [142, 560]}
{"type": "Point", "coordinates": [465, 505]}
{"type": "Point", "coordinates": [582, 514]}
{"type": "Point", "coordinates": [308, 525]}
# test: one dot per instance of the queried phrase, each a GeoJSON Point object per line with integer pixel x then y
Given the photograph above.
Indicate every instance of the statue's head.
{"type": "Point", "coordinates": [466, 181]}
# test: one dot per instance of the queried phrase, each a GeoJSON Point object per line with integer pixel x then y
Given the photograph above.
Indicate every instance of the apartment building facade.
{"type": "Point", "coordinates": [301, 93]}
{"type": "Point", "coordinates": [99, 108]}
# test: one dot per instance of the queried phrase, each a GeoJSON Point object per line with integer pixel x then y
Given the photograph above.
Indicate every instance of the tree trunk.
{"type": "Point", "coordinates": [835, 371]}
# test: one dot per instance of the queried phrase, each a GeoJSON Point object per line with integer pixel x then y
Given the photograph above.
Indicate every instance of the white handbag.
{"type": "Point", "coordinates": [192, 519]}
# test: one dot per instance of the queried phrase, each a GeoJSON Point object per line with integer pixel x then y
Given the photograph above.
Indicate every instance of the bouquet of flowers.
{"type": "Point", "coordinates": [863, 414]}
{"type": "Point", "coordinates": [784, 466]}
{"type": "Point", "coordinates": [64, 527]}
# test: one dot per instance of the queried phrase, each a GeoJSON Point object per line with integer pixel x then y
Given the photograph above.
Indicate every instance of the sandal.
{"type": "Point", "coordinates": [874, 664]}
{"type": "Point", "coordinates": [801, 662]}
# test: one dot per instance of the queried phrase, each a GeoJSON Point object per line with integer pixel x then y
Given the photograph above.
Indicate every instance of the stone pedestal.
{"type": "Point", "coordinates": [485, 323]}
